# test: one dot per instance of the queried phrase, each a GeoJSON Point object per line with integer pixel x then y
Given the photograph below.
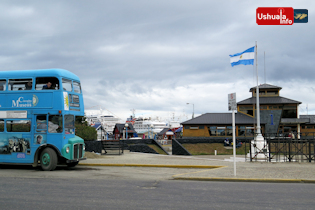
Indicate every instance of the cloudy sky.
{"type": "Point", "coordinates": [157, 56]}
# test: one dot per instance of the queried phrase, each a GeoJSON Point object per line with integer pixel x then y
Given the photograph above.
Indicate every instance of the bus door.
{"type": "Point", "coordinates": [40, 134]}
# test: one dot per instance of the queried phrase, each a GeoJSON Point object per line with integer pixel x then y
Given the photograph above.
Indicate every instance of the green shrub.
{"type": "Point", "coordinates": [85, 132]}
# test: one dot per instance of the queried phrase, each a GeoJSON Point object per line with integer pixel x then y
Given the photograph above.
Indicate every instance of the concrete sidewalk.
{"type": "Point", "coordinates": [213, 168]}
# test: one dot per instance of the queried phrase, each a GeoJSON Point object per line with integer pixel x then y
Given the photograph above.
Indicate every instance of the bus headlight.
{"type": "Point", "coordinates": [83, 147]}
{"type": "Point", "coordinates": [67, 150]}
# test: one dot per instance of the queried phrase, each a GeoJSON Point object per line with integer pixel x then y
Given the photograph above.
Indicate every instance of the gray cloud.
{"type": "Point", "coordinates": [157, 55]}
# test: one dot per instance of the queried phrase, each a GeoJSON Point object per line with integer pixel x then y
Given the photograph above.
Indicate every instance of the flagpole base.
{"type": "Point", "coordinates": [259, 148]}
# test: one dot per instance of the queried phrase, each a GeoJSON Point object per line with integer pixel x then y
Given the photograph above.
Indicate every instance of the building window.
{"type": "Point", "coordinates": [212, 130]}
{"type": "Point", "coordinates": [241, 131]}
{"type": "Point", "coordinates": [221, 131]}
{"type": "Point", "coordinates": [193, 128]}
{"type": "Point", "coordinates": [229, 131]}
{"type": "Point", "coordinates": [247, 110]}
{"type": "Point", "coordinates": [250, 131]}
{"type": "Point", "coordinates": [289, 114]}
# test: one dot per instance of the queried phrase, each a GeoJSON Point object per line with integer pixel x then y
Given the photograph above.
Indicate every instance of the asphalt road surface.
{"type": "Point", "coordinates": [90, 188]}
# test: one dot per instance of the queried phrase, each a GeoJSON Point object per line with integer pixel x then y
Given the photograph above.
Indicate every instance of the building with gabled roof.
{"type": "Point", "coordinates": [120, 131]}
{"type": "Point", "coordinates": [278, 116]}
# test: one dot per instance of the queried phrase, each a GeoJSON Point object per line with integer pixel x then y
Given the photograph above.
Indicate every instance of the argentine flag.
{"type": "Point", "coordinates": [246, 58]}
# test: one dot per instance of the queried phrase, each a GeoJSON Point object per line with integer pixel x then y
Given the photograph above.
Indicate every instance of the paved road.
{"type": "Point", "coordinates": [117, 187]}
{"type": "Point", "coordinates": [162, 167]}
{"type": "Point", "coordinates": [245, 171]}
{"type": "Point", "coordinates": [94, 172]}
{"type": "Point", "coordinates": [76, 193]}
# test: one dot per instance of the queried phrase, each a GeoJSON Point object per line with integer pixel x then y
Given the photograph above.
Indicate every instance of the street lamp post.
{"type": "Point", "coordinates": [151, 131]}
{"type": "Point", "coordinates": [126, 126]}
{"type": "Point", "coordinates": [193, 109]}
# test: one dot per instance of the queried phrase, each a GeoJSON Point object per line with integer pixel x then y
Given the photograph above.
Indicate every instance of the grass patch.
{"type": "Point", "coordinates": [208, 149]}
{"type": "Point", "coordinates": [157, 149]}
{"type": "Point", "coordinates": [92, 155]}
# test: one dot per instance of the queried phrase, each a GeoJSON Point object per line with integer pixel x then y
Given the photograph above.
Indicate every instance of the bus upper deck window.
{"type": "Point", "coordinates": [20, 84]}
{"type": "Point", "coordinates": [66, 85]}
{"type": "Point", "coordinates": [2, 85]}
{"type": "Point", "coordinates": [76, 87]}
{"type": "Point", "coordinates": [47, 83]}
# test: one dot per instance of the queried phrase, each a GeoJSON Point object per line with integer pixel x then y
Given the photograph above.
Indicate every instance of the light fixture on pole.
{"type": "Point", "coordinates": [193, 110]}
{"type": "Point", "coordinates": [126, 126]}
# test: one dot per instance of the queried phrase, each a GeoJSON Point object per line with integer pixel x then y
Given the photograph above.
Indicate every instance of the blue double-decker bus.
{"type": "Point", "coordinates": [37, 115]}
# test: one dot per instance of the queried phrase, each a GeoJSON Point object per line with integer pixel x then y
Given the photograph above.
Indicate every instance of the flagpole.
{"type": "Point", "coordinates": [265, 65]}
{"type": "Point", "coordinates": [259, 146]}
{"type": "Point", "coordinates": [257, 95]}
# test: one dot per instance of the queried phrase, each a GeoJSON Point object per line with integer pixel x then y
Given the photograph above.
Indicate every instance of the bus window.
{"type": "Point", "coordinates": [42, 83]}
{"type": "Point", "coordinates": [67, 85]}
{"type": "Point", "coordinates": [18, 125]}
{"type": "Point", "coordinates": [2, 85]}
{"type": "Point", "coordinates": [1, 125]}
{"type": "Point", "coordinates": [76, 87]}
{"type": "Point", "coordinates": [28, 85]}
{"type": "Point", "coordinates": [55, 124]}
{"type": "Point", "coordinates": [69, 124]}
{"type": "Point", "coordinates": [41, 123]}
{"type": "Point", "coordinates": [20, 84]}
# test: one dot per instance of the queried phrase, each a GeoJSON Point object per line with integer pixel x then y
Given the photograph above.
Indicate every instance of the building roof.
{"type": "Point", "coordinates": [310, 117]}
{"type": "Point", "coordinates": [269, 100]}
{"type": "Point", "coordinates": [265, 86]}
{"type": "Point", "coordinates": [97, 126]}
{"type": "Point", "coordinates": [295, 120]}
{"type": "Point", "coordinates": [121, 127]}
{"type": "Point", "coordinates": [163, 131]}
{"type": "Point", "coordinates": [220, 118]}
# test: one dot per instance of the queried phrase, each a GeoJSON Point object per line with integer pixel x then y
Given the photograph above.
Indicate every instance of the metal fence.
{"type": "Point", "coordinates": [288, 147]}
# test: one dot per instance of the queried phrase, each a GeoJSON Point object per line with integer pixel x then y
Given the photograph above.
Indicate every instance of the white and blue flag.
{"type": "Point", "coordinates": [246, 58]}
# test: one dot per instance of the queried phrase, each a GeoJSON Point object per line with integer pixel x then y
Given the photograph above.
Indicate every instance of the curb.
{"type": "Point", "coordinates": [149, 165]}
{"type": "Point", "coordinates": [245, 180]}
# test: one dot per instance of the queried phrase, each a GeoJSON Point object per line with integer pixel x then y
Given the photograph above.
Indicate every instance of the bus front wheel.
{"type": "Point", "coordinates": [48, 159]}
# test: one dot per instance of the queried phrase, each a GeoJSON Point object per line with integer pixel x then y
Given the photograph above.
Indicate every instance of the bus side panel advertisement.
{"type": "Point", "coordinates": [10, 143]}
{"type": "Point", "coordinates": [26, 101]}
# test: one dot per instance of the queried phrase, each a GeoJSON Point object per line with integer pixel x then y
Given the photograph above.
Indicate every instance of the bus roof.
{"type": "Point", "coordinates": [39, 73]}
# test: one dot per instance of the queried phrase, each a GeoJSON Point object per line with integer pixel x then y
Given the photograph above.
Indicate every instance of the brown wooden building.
{"type": "Point", "coordinates": [279, 116]}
